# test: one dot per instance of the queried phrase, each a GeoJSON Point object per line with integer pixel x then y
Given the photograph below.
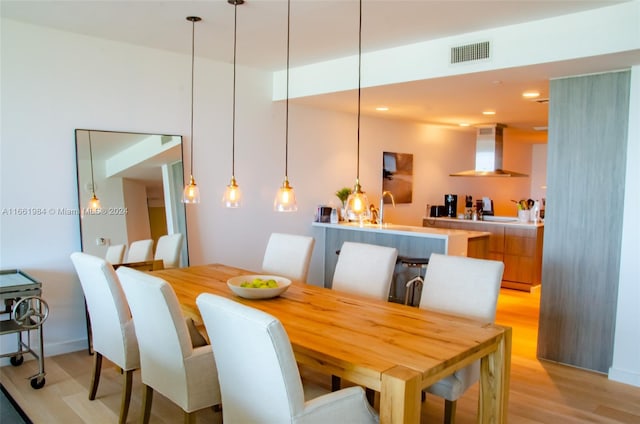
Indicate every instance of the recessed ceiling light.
{"type": "Point", "coordinates": [531, 94]}
{"type": "Point", "coordinates": [488, 112]}
{"type": "Point", "coordinates": [382, 108]}
{"type": "Point", "coordinates": [463, 124]}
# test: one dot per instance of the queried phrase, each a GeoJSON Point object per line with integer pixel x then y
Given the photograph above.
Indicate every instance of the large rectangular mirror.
{"type": "Point", "coordinates": [139, 179]}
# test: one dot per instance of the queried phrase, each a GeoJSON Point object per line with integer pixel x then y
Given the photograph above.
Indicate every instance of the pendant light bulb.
{"type": "Point", "coordinates": [232, 195]}
{"type": "Point", "coordinates": [191, 193]}
{"type": "Point", "coordinates": [285, 200]}
{"type": "Point", "coordinates": [94, 202]}
{"type": "Point", "coordinates": [357, 208]}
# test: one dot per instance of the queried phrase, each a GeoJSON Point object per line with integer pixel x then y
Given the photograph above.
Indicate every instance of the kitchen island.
{"type": "Point", "coordinates": [517, 244]}
{"type": "Point", "coordinates": [411, 241]}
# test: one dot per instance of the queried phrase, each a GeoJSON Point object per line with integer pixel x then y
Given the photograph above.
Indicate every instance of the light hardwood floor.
{"type": "Point", "coordinates": [541, 392]}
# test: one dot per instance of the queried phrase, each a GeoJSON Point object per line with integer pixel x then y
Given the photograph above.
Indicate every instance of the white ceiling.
{"type": "Point", "coordinates": [328, 29]}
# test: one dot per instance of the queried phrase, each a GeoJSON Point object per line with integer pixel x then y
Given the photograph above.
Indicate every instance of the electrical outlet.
{"type": "Point", "coordinates": [101, 241]}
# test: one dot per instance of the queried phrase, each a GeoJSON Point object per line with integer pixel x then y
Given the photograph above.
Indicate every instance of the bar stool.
{"type": "Point", "coordinates": [412, 285]}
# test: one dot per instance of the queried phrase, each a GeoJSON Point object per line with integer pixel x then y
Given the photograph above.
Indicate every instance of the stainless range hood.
{"type": "Point", "coordinates": [489, 154]}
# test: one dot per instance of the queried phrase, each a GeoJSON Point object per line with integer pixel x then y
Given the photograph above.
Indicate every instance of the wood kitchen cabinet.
{"type": "Point", "coordinates": [518, 245]}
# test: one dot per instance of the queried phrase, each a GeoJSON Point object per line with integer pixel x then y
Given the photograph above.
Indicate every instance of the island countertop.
{"type": "Point", "coordinates": [410, 241]}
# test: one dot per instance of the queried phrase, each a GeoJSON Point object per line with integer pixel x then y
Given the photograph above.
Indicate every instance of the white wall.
{"type": "Point", "coordinates": [539, 171]}
{"type": "Point", "coordinates": [52, 83]}
{"type": "Point", "coordinates": [55, 82]}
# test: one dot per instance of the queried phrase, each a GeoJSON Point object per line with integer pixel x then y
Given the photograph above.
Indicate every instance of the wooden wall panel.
{"type": "Point", "coordinates": [588, 119]}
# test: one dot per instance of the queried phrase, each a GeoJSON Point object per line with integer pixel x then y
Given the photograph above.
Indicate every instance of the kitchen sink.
{"type": "Point", "coordinates": [499, 218]}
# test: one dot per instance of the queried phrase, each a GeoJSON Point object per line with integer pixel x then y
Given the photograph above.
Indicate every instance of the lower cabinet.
{"type": "Point", "coordinates": [519, 247]}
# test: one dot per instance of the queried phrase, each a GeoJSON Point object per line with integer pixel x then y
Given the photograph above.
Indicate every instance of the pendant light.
{"type": "Point", "coordinates": [285, 200]}
{"type": "Point", "coordinates": [94, 202]}
{"type": "Point", "coordinates": [191, 192]}
{"type": "Point", "coordinates": [357, 208]}
{"type": "Point", "coordinates": [232, 195]}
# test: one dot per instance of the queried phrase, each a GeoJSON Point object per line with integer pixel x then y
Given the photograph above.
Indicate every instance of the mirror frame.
{"type": "Point", "coordinates": [172, 182]}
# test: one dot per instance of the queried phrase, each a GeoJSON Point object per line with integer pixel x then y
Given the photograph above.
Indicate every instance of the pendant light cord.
{"type": "Point", "coordinates": [286, 134]}
{"type": "Point", "coordinates": [93, 187]}
{"type": "Point", "coordinates": [233, 120]}
{"type": "Point", "coordinates": [193, 52]}
{"type": "Point", "coordinates": [359, 80]}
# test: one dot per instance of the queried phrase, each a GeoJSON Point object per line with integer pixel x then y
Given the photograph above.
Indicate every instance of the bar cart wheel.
{"type": "Point", "coordinates": [38, 382]}
{"type": "Point", "coordinates": [16, 361]}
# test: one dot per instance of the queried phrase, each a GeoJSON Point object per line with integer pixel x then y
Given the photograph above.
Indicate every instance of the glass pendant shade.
{"type": "Point", "coordinates": [285, 200]}
{"type": "Point", "coordinates": [357, 208]}
{"type": "Point", "coordinates": [232, 195]}
{"type": "Point", "coordinates": [94, 202]}
{"type": "Point", "coordinates": [191, 193]}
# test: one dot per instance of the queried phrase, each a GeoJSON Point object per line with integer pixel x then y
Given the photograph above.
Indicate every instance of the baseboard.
{"type": "Point", "coordinates": [624, 376]}
{"type": "Point", "coordinates": [52, 349]}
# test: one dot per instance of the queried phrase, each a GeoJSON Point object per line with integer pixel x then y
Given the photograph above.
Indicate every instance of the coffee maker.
{"type": "Point", "coordinates": [451, 205]}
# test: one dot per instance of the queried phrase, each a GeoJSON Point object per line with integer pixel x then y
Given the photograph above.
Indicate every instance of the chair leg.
{"type": "Point", "coordinates": [126, 396]}
{"type": "Point", "coordinates": [335, 383]}
{"type": "Point", "coordinates": [371, 396]}
{"type": "Point", "coordinates": [95, 378]}
{"type": "Point", "coordinates": [147, 398]}
{"type": "Point", "coordinates": [449, 411]}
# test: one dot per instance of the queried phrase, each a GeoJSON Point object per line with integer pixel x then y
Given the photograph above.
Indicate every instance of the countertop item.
{"type": "Point", "coordinates": [235, 284]}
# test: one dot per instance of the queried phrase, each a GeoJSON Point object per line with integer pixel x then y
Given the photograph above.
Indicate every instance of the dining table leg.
{"type": "Point", "coordinates": [400, 396]}
{"type": "Point", "coordinates": [495, 371]}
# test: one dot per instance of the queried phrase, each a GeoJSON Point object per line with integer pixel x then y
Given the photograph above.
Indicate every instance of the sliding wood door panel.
{"type": "Point", "coordinates": [588, 119]}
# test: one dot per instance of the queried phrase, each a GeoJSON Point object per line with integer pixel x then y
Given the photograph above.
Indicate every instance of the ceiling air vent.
{"type": "Point", "coordinates": [470, 52]}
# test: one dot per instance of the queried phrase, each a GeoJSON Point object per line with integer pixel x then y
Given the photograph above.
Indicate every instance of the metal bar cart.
{"type": "Point", "coordinates": [24, 311]}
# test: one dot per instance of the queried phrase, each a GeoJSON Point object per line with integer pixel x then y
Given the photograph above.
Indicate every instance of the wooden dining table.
{"type": "Point", "coordinates": [394, 349]}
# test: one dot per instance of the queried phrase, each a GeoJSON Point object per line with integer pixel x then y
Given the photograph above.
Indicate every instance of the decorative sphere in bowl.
{"type": "Point", "coordinates": [258, 286]}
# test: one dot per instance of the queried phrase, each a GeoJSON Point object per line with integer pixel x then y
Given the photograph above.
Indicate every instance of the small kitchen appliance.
{"type": "Point", "coordinates": [437, 210]}
{"type": "Point", "coordinates": [487, 206]}
{"type": "Point", "coordinates": [451, 205]}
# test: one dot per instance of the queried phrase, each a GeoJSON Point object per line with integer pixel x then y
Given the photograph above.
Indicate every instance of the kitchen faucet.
{"type": "Point", "coordinates": [381, 212]}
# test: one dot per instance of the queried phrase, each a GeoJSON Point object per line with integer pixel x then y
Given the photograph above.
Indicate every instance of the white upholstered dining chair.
{"type": "Point", "coordinates": [169, 364]}
{"type": "Point", "coordinates": [367, 270]}
{"type": "Point", "coordinates": [168, 249]}
{"type": "Point", "coordinates": [462, 286]}
{"type": "Point", "coordinates": [288, 255]}
{"type": "Point", "coordinates": [112, 328]}
{"type": "Point", "coordinates": [115, 254]}
{"type": "Point", "coordinates": [259, 377]}
{"type": "Point", "coordinates": [140, 251]}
